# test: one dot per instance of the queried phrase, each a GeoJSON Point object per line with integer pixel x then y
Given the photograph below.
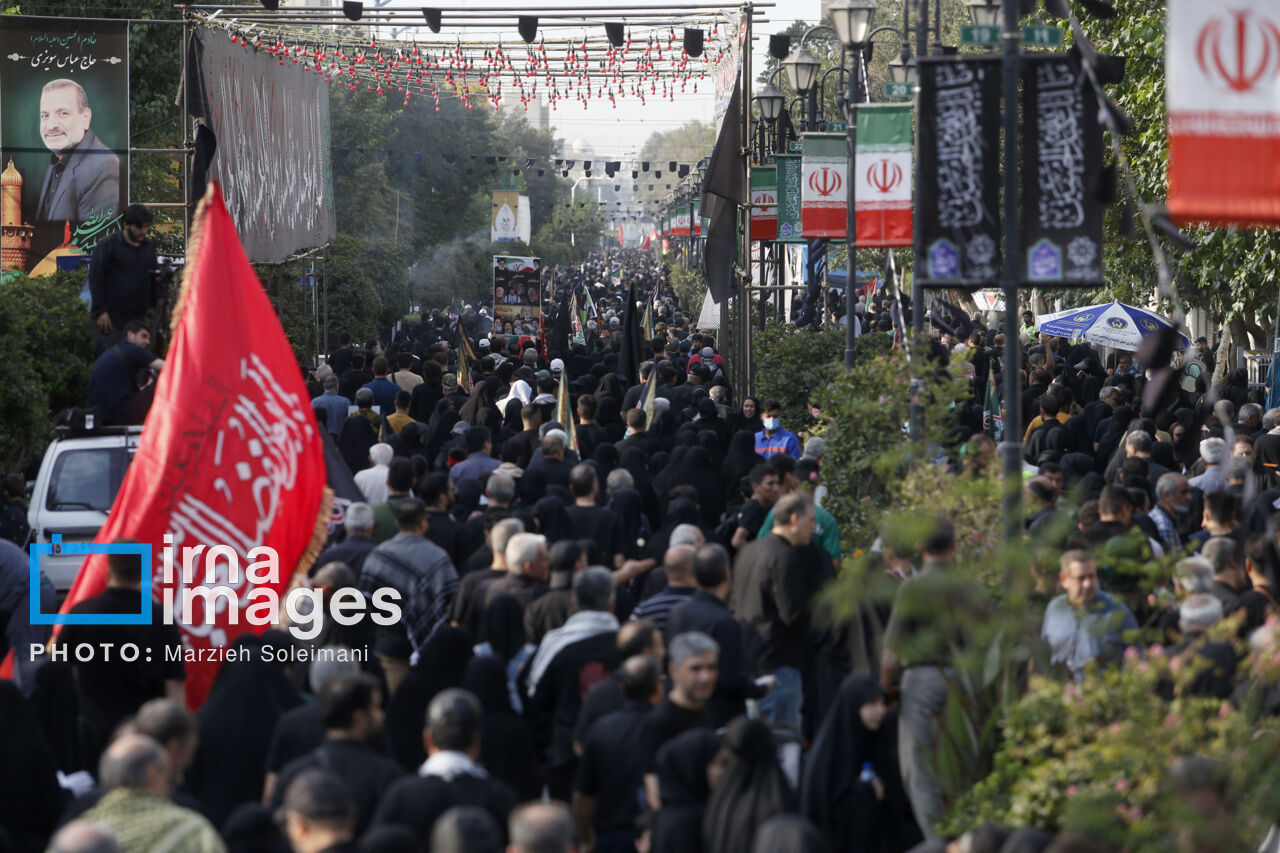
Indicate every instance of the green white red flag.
{"type": "Point", "coordinates": [823, 196]}
{"type": "Point", "coordinates": [1222, 72]}
{"type": "Point", "coordinates": [764, 203]}
{"type": "Point", "coordinates": [883, 172]}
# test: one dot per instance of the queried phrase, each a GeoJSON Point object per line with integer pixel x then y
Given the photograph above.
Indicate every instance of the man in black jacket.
{"type": "Point", "coordinates": [451, 775]}
{"type": "Point", "coordinates": [770, 592]}
{"type": "Point", "coordinates": [707, 612]}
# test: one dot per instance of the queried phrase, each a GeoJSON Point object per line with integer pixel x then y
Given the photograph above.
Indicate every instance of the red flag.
{"type": "Point", "coordinates": [230, 454]}
{"type": "Point", "coordinates": [620, 243]}
{"type": "Point", "coordinates": [648, 238]}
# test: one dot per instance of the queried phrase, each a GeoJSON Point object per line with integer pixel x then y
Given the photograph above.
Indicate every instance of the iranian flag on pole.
{"type": "Point", "coordinates": [823, 196]}
{"type": "Point", "coordinates": [883, 172]}
{"type": "Point", "coordinates": [764, 203]}
{"type": "Point", "coordinates": [1222, 71]}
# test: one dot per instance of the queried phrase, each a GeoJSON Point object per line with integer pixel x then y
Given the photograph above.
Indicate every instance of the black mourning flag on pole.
{"type": "Point", "coordinates": [631, 352]}
{"type": "Point", "coordinates": [958, 185]}
{"type": "Point", "coordinates": [724, 190]}
{"type": "Point", "coordinates": [1062, 174]}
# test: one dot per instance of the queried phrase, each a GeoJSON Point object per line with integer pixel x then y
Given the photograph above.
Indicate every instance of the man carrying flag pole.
{"type": "Point", "coordinates": [992, 417]}
{"type": "Point", "coordinates": [565, 415]}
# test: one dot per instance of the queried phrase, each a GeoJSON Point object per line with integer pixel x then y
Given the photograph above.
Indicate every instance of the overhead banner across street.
{"type": "Point", "coordinates": [1222, 66]}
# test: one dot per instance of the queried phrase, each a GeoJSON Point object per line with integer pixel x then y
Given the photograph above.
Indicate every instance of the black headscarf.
{"type": "Point", "coordinates": [844, 808]}
{"type": "Point", "coordinates": [504, 626]}
{"type": "Point", "coordinates": [441, 665]}
{"type": "Point", "coordinates": [609, 418]}
{"type": "Point", "coordinates": [506, 746]}
{"type": "Point", "coordinates": [30, 798]}
{"type": "Point", "coordinates": [635, 526]}
{"type": "Point", "coordinates": [252, 828]}
{"type": "Point", "coordinates": [739, 461]}
{"type": "Point", "coordinates": [605, 457]}
{"type": "Point", "coordinates": [227, 768]}
{"type": "Point", "coordinates": [671, 473]}
{"type": "Point", "coordinates": [512, 421]}
{"type": "Point", "coordinates": [752, 425]}
{"type": "Point", "coordinates": [633, 459]}
{"type": "Point", "coordinates": [442, 431]}
{"type": "Point", "coordinates": [553, 521]}
{"type": "Point", "coordinates": [680, 511]}
{"type": "Point", "coordinates": [790, 834]}
{"type": "Point", "coordinates": [610, 386]}
{"type": "Point", "coordinates": [752, 790]}
{"type": "Point", "coordinates": [483, 397]}
{"type": "Point", "coordinates": [681, 765]}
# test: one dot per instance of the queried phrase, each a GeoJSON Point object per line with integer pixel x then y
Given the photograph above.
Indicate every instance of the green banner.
{"type": "Point", "coordinates": [789, 198]}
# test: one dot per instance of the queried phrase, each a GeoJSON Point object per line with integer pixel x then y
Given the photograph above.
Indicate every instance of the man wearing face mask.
{"type": "Point", "coordinates": [773, 439]}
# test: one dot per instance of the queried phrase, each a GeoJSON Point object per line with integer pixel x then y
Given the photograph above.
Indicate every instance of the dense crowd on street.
{"type": "Point", "coordinates": [608, 642]}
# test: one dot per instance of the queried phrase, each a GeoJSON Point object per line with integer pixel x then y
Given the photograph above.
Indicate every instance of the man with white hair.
{"type": "Point", "coordinates": [1213, 451]}
{"type": "Point", "coordinates": [1173, 499]}
{"type": "Point", "coordinates": [358, 523]}
{"type": "Point", "coordinates": [134, 771]}
{"type": "Point", "coordinates": [528, 565]}
{"type": "Point", "coordinates": [1213, 663]}
{"type": "Point", "coordinates": [372, 482]}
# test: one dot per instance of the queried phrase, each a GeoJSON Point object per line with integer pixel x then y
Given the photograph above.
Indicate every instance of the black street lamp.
{"type": "Point", "coordinates": [984, 13]}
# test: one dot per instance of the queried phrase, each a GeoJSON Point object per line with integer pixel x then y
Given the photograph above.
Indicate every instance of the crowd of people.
{"type": "Point", "coordinates": [608, 641]}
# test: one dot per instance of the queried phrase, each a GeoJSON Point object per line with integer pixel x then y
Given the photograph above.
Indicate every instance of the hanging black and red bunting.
{"type": "Point", "coordinates": [601, 66]}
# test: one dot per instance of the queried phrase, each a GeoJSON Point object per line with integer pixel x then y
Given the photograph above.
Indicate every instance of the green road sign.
{"type": "Point", "coordinates": [837, 127]}
{"type": "Point", "coordinates": [895, 91]}
{"type": "Point", "coordinates": [980, 36]}
{"type": "Point", "coordinates": [795, 146]}
{"type": "Point", "coordinates": [1042, 36]}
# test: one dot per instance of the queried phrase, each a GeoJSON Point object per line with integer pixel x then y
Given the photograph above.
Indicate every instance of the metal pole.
{"type": "Point", "coordinates": [1011, 447]}
{"type": "Point", "coordinates": [745, 315]}
{"type": "Point", "coordinates": [851, 219]}
{"type": "Point", "coordinates": [186, 134]}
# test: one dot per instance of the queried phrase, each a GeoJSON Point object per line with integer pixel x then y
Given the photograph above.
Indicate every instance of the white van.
{"type": "Point", "coordinates": [81, 472]}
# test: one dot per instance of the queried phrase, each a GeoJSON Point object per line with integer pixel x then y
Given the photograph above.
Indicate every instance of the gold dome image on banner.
{"type": "Point", "coordinates": [15, 238]}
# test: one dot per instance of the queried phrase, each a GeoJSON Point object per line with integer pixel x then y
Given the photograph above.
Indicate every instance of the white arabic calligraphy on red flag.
{"type": "Point", "coordinates": [230, 454]}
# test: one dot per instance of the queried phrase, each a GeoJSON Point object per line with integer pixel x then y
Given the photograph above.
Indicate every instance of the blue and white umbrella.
{"type": "Point", "coordinates": [1111, 325]}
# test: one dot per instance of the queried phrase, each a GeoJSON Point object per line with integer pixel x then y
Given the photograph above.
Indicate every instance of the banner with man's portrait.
{"type": "Point", "coordinates": [517, 295]}
{"type": "Point", "coordinates": [64, 138]}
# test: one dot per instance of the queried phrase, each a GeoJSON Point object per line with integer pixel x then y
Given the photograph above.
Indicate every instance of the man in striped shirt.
{"type": "Point", "coordinates": [680, 587]}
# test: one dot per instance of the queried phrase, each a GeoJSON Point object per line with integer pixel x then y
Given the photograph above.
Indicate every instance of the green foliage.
{"type": "Point", "coordinates": [791, 365]}
{"type": "Point", "coordinates": [1096, 757]}
{"type": "Point", "coordinates": [690, 286]}
{"type": "Point", "coordinates": [46, 336]}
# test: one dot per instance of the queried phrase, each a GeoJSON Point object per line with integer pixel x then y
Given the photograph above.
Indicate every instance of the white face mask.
{"type": "Point", "coordinates": [772, 423]}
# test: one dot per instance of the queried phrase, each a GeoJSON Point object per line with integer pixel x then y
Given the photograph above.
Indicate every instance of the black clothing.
{"type": "Point", "coordinates": [32, 798]}
{"type": "Point", "coordinates": [227, 768]}
{"type": "Point", "coordinates": [367, 774]}
{"type": "Point", "coordinates": [297, 732]}
{"type": "Point", "coordinates": [423, 399]}
{"type": "Point", "coordinates": [734, 685]}
{"type": "Point", "coordinates": [109, 690]}
{"type": "Point", "coordinates": [771, 594]}
{"type": "Point", "coordinates": [751, 516]}
{"type": "Point", "coordinates": [114, 385]}
{"type": "Point", "coordinates": [121, 283]}
{"type": "Point", "coordinates": [610, 771]}
{"type": "Point", "coordinates": [522, 588]}
{"type": "Point", "coordinates": [418, 801]}
{"type": "Point", "coordinates": [525, 443]}
{"type": "Point", "coordinates": [506, 744]}
{"type": "Point", "coordinates": [665, 722]}
{"type": "Point", "coordinates": [451, 536]}
{"type": "Point", "coordinates": [844, 808]}
{"type": "Point", "coordinates": [601, 700]}
{"type": "Point", "coordinates": [1215, 668]}
{"type": "Point", "coordinates": [553, 708]}
{"type": "Point", "coordinates": [752, 789]}
{"type": "Point", "coordinates": [589, 436]}
{"type": "Point", "coordinates": [441, 665]}
{"type": "Point", "coordinates": [340, 360]}
{"type": "Point", "coordinates": [547, 613]}
{"type": "Point", "coordinates": [681, 767]}
{"type": "Point", "coordinates": [1253, 603]}
{"type": "Point", "coordinates": [353, 550]}
{"type": "Point", "coordinates": [468, 602]}
{"type": "Point", "coordinates": [602, 527]}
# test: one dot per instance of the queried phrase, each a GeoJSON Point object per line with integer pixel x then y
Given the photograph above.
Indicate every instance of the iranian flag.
{"type": "Point", "coordinates": [1222, 71]}
{"type": "Point", "coordinates": [764, 203]}
{"type": "Point", "coordinates": [883, 172]}
{"type": "Point", "coordinates": [823, 195]}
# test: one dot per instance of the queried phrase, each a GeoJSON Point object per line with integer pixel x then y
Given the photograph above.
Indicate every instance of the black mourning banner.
{"type": "Point", "coordinates": [1061, 173]}
{"type": "Point", "coordinates": [957, 228]}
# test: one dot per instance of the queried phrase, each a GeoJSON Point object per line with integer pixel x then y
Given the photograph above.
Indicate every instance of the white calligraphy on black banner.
{"type": "Point", "coordinates": [1062, 167]}
{"type": "Point", "coordinates": [957, 232]}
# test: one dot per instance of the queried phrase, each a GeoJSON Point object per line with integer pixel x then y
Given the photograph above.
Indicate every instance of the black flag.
{"type": "Point", "coordinates": [724, 190]}
{"type": "Point", "coordinates": [631, 352]}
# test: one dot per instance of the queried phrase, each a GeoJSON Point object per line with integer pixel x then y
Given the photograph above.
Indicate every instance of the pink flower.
{"type": "Point", "coordinates": [1130, 653]}
{"type": "Point", "coordinates": [1224, 710]}
{"type": "Point", "coordinates": [1122, 784]}
{"type": "Point", "coordinates": [1072, 790]}
{"type": "Point", "coordinates": [1115, 728]}
{"type": "Point", "coordinates": [1156, 649]}
{"type": "Point", "coordinates": [1172, 720]}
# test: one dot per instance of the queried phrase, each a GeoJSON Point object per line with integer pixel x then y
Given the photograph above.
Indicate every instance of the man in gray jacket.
{"type": "Point", "coordinates": [426, 580]}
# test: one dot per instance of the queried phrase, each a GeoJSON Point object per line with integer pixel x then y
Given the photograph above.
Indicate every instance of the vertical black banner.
{"type": "Point", "coordinates": [957, 233]}
{"type": "Point", "coordinates": [1061, 172]}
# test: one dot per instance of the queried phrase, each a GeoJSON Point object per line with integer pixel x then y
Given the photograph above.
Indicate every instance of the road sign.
{"type": "Point", "coordinates": [1041, 35]}
{"type": "Point", "coordinates": [837, 127]}
{"type": "Point", "coordinates": [894, 90]}
{"type": "Point", "coordinates": [980, 36]}
{"type": "Point", "coordinates": [795, 146]}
